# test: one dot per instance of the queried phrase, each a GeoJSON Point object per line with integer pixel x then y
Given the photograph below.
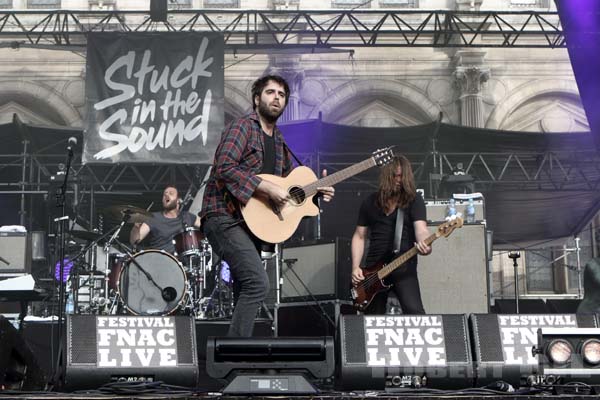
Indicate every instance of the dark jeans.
{"type": "Point", "coordinates": [231, 241]}
{"type": "Point", "coordinates": [406, 287]}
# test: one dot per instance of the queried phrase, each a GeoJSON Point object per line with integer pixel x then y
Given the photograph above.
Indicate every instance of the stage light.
{"type": "Point", "coordinates": [590, 350]}
{"type": "Point", "coordinates": [569, 354]}
{"type": "Point", "coordinates": [559, 351]}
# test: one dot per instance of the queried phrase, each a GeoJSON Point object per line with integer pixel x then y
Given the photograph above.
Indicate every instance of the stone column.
{"type": "Point", "coordinates": [289, 68]}
{"type": "Point", "coordinates": [469, 76]}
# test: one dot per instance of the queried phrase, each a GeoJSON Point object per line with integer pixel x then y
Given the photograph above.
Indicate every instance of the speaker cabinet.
{"type": "Point", "coordinates": [456, 262]}
{"type": "Point", "coordinates": [103, 349]}
{"type": "Point", "coordinates": [14, 249]}
{"type": "Point", "coordinates": [321, 269]}
{"type": "Point", "coordinates": [502, 343]}
{"type": "Point", "coordinates": [19, 369]}
{"type": "Point", "coordinates": [387, 351]}
{"type": "Point", "coordinates": [310, 318]}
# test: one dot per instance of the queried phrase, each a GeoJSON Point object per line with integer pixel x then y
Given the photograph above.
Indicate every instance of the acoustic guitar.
{"type": "Point", "coordinates": [274, 224]}
{"type": "Point", "coordinates": [364, 292]}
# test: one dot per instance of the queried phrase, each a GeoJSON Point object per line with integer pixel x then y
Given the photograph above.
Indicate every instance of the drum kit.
{"type": "Point", "coordinates": [149, 282]}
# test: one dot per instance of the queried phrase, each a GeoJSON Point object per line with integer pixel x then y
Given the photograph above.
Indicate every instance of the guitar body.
{"type": "Point", "coordinates": [363, 294]}
{"type": "Point", "coordinates": [276, 228]}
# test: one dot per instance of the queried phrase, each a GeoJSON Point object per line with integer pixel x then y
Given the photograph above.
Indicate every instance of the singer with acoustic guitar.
{"type": "Point", "coordinates": [250, 146]}
{"type": "Point", "coordinates": [377, 220]}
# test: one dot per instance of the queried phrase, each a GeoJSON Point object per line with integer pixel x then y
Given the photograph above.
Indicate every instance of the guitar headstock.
{"type": "Point", "coordinates": [383, 156]}
{"type": "Point", "coordinates": [449, 226]}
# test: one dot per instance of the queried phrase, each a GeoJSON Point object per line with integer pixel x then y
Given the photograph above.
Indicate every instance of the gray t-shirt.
{"type": "Point", "coordinates": [163, 229]}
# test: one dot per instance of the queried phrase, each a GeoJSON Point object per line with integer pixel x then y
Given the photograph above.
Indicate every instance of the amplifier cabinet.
{"type": "Point", "coordinates": [319, 268]}
{"type": "Point", "coordinates": [15, 250]}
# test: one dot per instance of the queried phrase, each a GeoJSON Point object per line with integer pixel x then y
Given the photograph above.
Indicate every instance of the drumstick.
{"type": "Point", "coordinates": [150, 206]}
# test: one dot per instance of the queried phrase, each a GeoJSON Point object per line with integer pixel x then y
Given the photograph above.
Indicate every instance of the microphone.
{"type": "Point", "coordinates": [72, 142]}
{"type": "Point", "coordinates": [169, 293]}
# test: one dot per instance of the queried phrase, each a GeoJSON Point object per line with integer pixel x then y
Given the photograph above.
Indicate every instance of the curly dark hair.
{"type": "Point", "coordinates": [259, 85]}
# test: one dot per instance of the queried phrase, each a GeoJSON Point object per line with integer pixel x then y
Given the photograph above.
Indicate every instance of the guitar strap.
{"type": "Point", "coordinates": [398, 233]}
{"type": "Point", "coordinates": [285, 146]}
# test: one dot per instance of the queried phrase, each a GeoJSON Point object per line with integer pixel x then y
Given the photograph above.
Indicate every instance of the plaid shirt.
{"type": "Point", "coordinates": [239, 157]}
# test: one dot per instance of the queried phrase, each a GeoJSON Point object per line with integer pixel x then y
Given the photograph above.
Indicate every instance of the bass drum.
{"type": "Point", "coordinates": [162, 292]}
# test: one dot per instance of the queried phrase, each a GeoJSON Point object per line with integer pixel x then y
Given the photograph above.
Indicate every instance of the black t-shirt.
{"type": "Point", "coordinates": [163, 229]}
{"type": "Point", "coordinates": [269, 155]}
{"type": "Point", "coordinates": [382, 228]}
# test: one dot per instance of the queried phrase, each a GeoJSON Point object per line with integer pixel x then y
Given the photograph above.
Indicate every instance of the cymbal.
{"type": "Point", "coordinates": [136, 214]}
{"type": "Point", "coordinates": [85, 235]}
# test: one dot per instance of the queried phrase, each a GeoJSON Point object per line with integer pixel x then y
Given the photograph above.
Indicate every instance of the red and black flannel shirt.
{"type": "Point", "coordinates": [238, 159]}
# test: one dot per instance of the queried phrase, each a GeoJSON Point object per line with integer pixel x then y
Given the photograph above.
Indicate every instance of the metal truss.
{"type": "Point", "coordinates": [298, 29]}
{"type": "Point", "coordinates": [564, 171]}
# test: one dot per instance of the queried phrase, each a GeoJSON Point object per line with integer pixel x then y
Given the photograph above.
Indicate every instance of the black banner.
{"type": "Point", "coordinates": [153, 97]}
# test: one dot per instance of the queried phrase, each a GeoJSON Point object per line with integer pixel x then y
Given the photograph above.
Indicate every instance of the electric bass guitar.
{"type": "Point", "coordinates": [274, 224]}
{"type": "Point", "coordinates": [364, 292]}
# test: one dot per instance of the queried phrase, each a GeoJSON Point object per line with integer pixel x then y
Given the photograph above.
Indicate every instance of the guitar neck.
{"type": "Point", "coordinates": [339, 176]}
{"type": "Point", "coordinates": [392, 266]}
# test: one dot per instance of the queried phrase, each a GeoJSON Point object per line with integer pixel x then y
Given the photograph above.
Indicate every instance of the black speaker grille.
{"type": "Point", "coordinates": [82, 339]}
{"type": "Point", "coordinates": [486, 338]}
{"type": "Point", "coordinates": [354, 345]}
{"type": "Point", "coordinates": [586, 321]}
{"type": "Point", "coordinates": [456, 338]}
{"type": "Point", "coordinates": [185, 340]}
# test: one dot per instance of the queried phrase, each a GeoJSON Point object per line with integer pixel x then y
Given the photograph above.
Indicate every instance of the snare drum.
{"type": "Point", "coordinates": [162, 295]}
{"type": "Point", "coordinates": [189, 242]}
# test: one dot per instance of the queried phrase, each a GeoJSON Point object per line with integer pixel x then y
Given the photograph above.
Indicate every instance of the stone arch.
{"type": "Point", "coordinates": [526, 92]}
{"type": "Point", "coordinates": [365, 91]}
{"type": "Point", "coordinates": [40, 100]}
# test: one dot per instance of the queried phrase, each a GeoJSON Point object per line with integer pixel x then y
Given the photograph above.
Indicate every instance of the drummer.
{"type": "Point", "coordinates": [162, 226]}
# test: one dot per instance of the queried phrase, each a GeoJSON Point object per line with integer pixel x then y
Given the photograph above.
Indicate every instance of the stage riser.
{"type": "Point", "coordinates": [477, 346]}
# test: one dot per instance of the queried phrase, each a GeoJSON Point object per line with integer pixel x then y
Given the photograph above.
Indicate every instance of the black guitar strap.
{"type": "Point", "coordinates": [285, 146]}
{"type": "Point", "coordinates": [398, 233]}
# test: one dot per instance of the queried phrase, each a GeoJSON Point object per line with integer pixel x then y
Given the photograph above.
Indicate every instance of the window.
{"type": "Point", "coordinates": [399, 3]}
{"type": "Point", "coordinates": [177, 4]}
{"type": "Point", "coordinates": [530, 3]}
{"type": "Point", "coordinates": [222, 3]}
{"type": "Point", "coordinates": [43, 3]}
{"type": "Point", "coordinates": [6, 3]}
{"type": "Point", "coordinates": [350, 3]}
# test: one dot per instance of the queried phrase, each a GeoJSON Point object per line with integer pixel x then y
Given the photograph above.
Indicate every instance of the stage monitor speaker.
{"type": "Point", "coordinates": [456, 262]}
{"type": "Point", "coordinates": [322, 269]}
{"type": "Point", "coordinates": [19, 369]}
{"type": "Point", "coordinates": [104, 349]}
{"type": "Point", "coordinates": [270, 365]}
{"type": "Point", "coordinates": [394, 351]}
{"type": "Point", "coordinates": [310, 318]}
{"type": "Point", "coordinates": [15, 253]}
{"type": "Point", "coordinates": [503, 343]}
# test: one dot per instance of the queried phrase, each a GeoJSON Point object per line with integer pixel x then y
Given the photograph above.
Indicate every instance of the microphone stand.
{"type": "Point", "coordinates": [61, 224]}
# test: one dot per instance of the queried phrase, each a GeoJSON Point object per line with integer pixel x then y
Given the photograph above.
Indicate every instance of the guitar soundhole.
{"type": "Point", "coordinates": [297, 194]}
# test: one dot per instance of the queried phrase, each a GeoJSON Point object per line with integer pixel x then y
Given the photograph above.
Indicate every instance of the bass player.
{"type": "Point", "coordinates": [377, 220]}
